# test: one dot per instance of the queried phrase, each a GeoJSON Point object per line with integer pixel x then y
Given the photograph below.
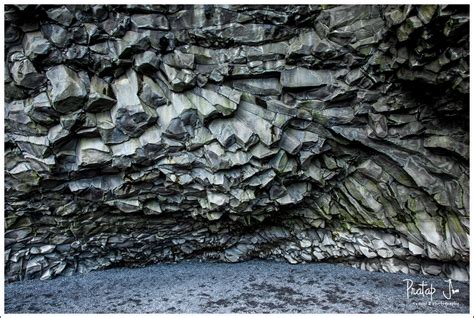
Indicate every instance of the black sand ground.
{"type": "Point", "coordinates": [249, 287]}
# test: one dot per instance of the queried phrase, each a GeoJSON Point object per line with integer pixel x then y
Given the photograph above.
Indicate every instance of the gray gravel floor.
{"type": "Point", "coordinates": [248, 287]}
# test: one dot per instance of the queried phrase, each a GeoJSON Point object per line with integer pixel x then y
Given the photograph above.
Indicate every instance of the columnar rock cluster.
{"type": "Point", "coordinates": [148, 133]}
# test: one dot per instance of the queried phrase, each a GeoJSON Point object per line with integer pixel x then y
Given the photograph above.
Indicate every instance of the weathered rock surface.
{"type": "Point", "coordinates": [139, 134]}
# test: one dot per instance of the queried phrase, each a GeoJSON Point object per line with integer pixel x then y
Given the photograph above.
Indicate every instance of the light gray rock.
{"type": "Point", "coordinates": [150, 21]}
{"type": "Point", "coordinates": [101, 97]}
{"type": "Point", "coordinates": [151, 93]}
{"type": "Point", "coordinates": [129, 114]}
{"type": "Point", "coordinates": [92, 151]}
{"type": "Point", "coordinates": [35, 45]}
{"type": "Point", "coordinates": [61, 15]}
{"type": "Point", "coordinates": [230, 131]}
{"type": "Point", "coordinates": [68, 91]}
{"type": "Point", "coordinates": [146, 62]}
{"type": "Point", "coordinates": [180, 60]}
{"type": "Point", "coordinates": [303, 77]}
{"type": "Point", "coordinates": [259, 86]}
{"type": "Point", "coordinates": [25, 74]}
{"type": "Point", "coordinates": [131, 43]}
{"type": "Point", "coordinates": [57, 34]}
{"type": "Point", "coordinates": [179, 80]}
{"type": "Point", "coordinates": [35, 146]}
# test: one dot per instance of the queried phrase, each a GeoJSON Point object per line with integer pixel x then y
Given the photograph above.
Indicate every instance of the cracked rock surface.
{"type": "Point", "coordinates": [147, 133]}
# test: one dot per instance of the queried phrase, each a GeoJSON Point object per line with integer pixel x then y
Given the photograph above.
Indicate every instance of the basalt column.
{"type": "Point", "coordinates": [142, 134]}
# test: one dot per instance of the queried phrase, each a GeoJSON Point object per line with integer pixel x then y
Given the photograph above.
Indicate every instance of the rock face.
{"type": "Point", "coordinates": [140, 134]}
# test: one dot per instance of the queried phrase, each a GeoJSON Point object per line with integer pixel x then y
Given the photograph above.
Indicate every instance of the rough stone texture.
{"type": "Point", "coordinates": [140, 134]}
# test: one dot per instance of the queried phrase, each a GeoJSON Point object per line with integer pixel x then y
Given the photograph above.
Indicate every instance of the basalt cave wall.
{"type": "Point", "coordinates": [147, 133]}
